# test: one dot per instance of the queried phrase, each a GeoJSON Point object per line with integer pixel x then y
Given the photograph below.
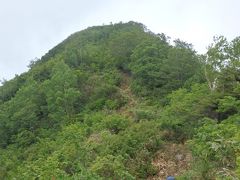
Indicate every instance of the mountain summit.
{"type": "Point", "coordinates": [121, 102]}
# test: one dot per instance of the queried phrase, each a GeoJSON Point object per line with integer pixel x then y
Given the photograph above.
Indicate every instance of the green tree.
{"type": "Point", "coordinates": [61, 93]}
{"type": "Point", "coordinates": [222, 64]}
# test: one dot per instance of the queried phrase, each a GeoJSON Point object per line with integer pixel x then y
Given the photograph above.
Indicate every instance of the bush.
{"type": "Point", "coordinates": [111, 167]}
{"type": "Point", "coordinates": [216, 145]}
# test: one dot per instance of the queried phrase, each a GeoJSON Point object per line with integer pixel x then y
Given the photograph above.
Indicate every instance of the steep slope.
{"type": "Point", "coordinates": [107, 101]}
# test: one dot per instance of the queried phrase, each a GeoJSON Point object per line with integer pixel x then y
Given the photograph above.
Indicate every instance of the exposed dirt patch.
{"type": "Point", "coordinates": [125, 90]}
{"type": "Point", "coordinates": [172, 160]}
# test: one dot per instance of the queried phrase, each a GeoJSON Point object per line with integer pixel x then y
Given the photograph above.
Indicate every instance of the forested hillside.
{"type": "Point", "coordinates": [120, 102]}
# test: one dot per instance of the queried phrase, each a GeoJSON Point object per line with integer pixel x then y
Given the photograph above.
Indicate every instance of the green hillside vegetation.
{"type": "Point", "coordinates": [107, 100]}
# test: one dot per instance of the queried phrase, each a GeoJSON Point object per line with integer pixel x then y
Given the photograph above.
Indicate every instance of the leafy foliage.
{"type": "Point", "coordinates": [101, 104]}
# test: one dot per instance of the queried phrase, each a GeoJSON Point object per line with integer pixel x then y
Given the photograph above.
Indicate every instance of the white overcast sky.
{"type": "Point", "coordinates": [29, 28]}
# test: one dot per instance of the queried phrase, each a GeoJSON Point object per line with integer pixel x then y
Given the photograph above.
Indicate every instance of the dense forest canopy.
{"type": "Point", "coordinates": [103, 103]}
